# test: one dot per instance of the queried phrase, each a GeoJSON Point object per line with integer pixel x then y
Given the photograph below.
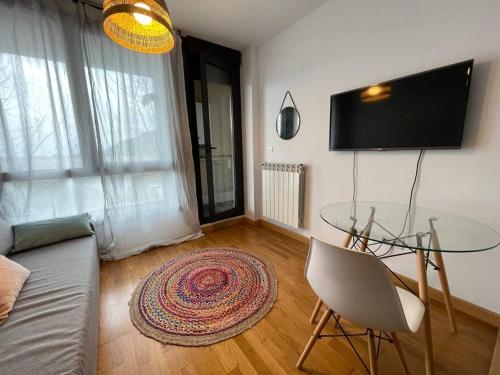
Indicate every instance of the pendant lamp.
{"type": "Point", "coordinates": [139, 25]}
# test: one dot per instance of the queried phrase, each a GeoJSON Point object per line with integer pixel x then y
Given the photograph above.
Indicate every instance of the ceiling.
{"type": "Point", "coordinates": [237, 24]}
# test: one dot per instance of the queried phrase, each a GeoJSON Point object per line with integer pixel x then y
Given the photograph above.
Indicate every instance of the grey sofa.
{"type": "Point", "coordinates": [53, 328]}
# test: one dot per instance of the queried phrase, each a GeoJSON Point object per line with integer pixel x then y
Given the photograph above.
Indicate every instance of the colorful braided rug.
{"type": "Point", "coordinates": [203, 297]}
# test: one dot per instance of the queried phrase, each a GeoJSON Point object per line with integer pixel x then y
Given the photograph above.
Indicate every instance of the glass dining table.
{"type": "Point", "coordinates": [389, 230]}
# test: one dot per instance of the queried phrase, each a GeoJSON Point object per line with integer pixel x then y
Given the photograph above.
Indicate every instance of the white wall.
{"type": "Point", "coordinates": [250, 127]}
{"type": "Point", "coordinates": [348, 44]}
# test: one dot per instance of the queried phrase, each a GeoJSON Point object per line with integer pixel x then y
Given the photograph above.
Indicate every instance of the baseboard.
{"type": "Point", "coordinates": [277, 228]}
{"type": "Point", "coordinates": [251, 221]}
{"type": "Point", "coordinates": [459, 304]}
{"type": "Point", "coordinates": [495, 360]}
{"type": "Point", "coordinates": [210, 227]}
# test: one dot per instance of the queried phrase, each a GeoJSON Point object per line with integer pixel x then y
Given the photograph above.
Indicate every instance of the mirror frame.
{"type": "Point", "coordinates": [296, 111]}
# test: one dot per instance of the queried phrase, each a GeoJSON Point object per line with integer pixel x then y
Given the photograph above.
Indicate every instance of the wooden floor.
{"type": "Point", "coordinates": [274, 344]}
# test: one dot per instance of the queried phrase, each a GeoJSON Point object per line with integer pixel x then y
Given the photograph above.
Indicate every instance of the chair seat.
{"type": "Point", "coordinates": [413, 308]}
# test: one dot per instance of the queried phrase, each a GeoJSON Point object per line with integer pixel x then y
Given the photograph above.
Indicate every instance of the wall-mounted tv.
{"type": "Point", "coordinates": [422, 111]}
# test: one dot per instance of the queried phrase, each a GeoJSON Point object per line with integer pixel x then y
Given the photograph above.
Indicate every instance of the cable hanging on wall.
{"type": "Point", "coordinates": [407, 218]}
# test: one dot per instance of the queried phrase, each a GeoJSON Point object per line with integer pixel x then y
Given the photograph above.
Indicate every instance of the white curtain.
{"type": "Point", "coordinates": [88, 126]}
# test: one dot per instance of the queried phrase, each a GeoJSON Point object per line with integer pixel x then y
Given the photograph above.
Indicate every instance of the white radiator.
{"type": "Point", "coordinates": [283, 193]}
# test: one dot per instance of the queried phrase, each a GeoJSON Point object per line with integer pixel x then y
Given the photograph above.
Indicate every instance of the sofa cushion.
{"type": "Point", "coordinates": [12, 278]}
{"type": "Point", "coordinates": [45, 232]}
{"type": "Point", "coordinates": [53, 326]}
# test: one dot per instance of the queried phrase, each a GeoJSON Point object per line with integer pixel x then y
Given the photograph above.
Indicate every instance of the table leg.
{"type": "Point", "coordinates": [442, 277]}
{"type": "Point", "coordinates": [423, 293]}
{"type": "Point", "coordinates": [446, 291]}
{"type": "Point", "coordinates": [347, 240]}
{"type": "Point", "coordinates": [367, 231]}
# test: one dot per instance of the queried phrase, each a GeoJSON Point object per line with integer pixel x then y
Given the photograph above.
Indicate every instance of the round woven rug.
{"type": "Point", "coordinates": [203, 297]}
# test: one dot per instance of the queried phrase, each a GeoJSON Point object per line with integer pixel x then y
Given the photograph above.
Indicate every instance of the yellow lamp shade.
{"type": "Point", "coordinates": [139, 25]}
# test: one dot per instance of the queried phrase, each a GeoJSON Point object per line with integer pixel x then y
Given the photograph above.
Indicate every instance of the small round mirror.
{"type": "Point", "coordinates": [288, 123]}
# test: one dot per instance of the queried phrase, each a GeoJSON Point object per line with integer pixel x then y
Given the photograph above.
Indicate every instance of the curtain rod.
{"type": "Point", "coordinates": [89, 3]}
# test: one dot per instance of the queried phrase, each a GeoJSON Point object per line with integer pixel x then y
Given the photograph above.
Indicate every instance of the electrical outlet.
{"type": "Point", "coordinates": [270, 149]}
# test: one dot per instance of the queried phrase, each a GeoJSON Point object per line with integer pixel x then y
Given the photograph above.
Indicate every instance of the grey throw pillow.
{"type": "Point", "coordinates": [45, 232]}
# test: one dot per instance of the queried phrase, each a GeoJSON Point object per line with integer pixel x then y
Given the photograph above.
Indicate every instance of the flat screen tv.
{"type": "Point", "coordinates": [421, 111]}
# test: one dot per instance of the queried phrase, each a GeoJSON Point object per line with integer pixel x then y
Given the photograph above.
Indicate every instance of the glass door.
{"type": "Point", "coordinates": [212, 90]}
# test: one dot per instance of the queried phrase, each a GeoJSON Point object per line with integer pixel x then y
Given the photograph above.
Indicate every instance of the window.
{"type": "Point", "coordinates": [39, 133]}
{"type": "Point", "coordinates": [131, 126]}
{"type": "Point", "coordinates": [49, 155]}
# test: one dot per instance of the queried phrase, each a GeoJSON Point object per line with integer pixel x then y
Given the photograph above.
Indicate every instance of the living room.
{"type": "Point", "coordinates": [181, 179]}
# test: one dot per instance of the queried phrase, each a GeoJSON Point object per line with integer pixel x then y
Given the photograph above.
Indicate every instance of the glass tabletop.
{"type": "Point", "coordinates": [455, 233]}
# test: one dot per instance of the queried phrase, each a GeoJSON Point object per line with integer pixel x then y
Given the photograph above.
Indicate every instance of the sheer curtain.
{"type": "Point", "coordinates": [88, 126]}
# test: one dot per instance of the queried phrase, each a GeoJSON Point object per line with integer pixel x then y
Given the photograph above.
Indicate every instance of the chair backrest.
{"type": "Point", "coordinates": [355, 285]}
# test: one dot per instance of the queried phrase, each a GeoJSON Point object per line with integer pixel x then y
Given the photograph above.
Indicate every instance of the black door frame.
{"type": "Point", "coordinates": [229, 60]}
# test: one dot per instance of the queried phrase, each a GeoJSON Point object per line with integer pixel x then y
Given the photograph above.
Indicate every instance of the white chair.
{"type": "Point", "coordinates": [358, 287]}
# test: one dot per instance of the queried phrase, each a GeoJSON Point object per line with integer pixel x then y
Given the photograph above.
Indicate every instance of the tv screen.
{"type": "Point", "coordinates": [421, 111]}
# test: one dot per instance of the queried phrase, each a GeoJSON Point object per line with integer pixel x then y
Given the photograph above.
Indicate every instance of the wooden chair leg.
{"type": "Point", "coordinates": [315, 312]}
{"type": "Point", "coordinates": [401, 355]}
{"type": "Point", "coordinates": [317, 331]}
{"type": "Point", "coordinates": [372, 353]}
